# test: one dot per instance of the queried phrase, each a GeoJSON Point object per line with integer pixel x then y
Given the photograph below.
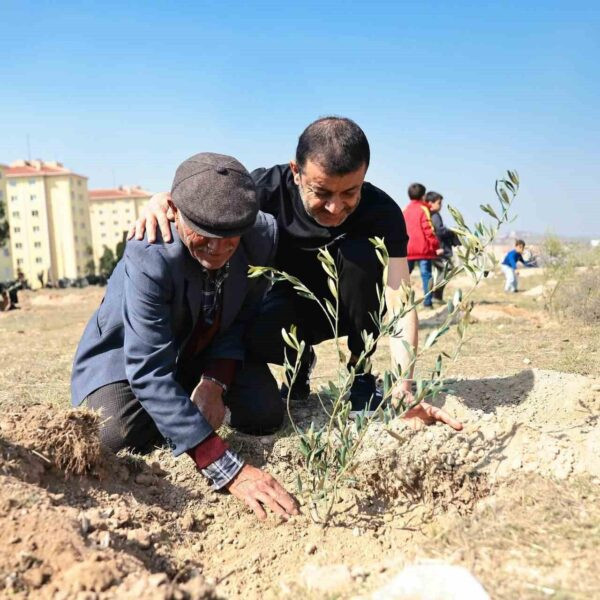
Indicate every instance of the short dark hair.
{"type": "Point", "coordinates": [520, 243]}
{"type": "Point", "coordinates": [416, 191]}
{"type": "Point", "coordinates": [432, 197]}
{"type": "Point", "coordinates": [336, 144]}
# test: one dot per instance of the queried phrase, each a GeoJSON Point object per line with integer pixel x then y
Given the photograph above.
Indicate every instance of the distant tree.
{"type": "Point", "coordinates": [107, 262]}
{"type": "Point", "coordinates": [120, 249]}
{"type": "Point", "coordinates": [3, 225]}
{"type": "Point", "coordinates": [90, 267]}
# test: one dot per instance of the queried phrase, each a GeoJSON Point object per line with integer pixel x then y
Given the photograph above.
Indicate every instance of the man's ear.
{"type": "Point", "coordinates": [296, 171]}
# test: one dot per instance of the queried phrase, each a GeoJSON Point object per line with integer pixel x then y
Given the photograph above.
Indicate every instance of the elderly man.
{"type": "Point", "coordinates": [321, 199]}
{"type": "Point", "coordinates": [159, 354]}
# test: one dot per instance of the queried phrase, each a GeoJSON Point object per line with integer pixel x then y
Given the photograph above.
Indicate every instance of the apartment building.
{"type": "Point", "coordinates": [112, 212]}
{"type": "Point", "coordinates": [6, 268]}
{"type": "Point", "coordinates": [50, 232]}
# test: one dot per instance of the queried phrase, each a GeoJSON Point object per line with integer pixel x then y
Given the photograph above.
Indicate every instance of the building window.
{"type": "Point", "coordinates": [13, 198]}
{"type": "Point", "coordinates": [18, 245]}
{"type": "Point", "coordinates": [33, 197]}
{"type": "Point", "coordinates": [19, 262]}
{"type": "Point", "coordinates": [100, 212]}
{"type": "Point", "coordinates": [32, 182]}
{"type": "Point", "coordinates": [35, 213]}
{"type": "Point", "coordinates": [38, 259]}
{"type": "Point", "coordinates": [72, 195]}
{"type": "Point", "coordinates": [82, 226]}
{"type": "Point", "coordinates": [36, 228]}
{"type": "Point", "coordinates": [12, 183]}
{"type": "Point", "coordinates": [79, 182]}
{"type": "Point", "coordinates": [17, 230]}
{"type": "Point", "coordinates": [103, 235]}
{"type": "Point", "coordinates": [6, 253]}
{"type": "Point", "coordinates": [76, 238]}
{"type": "Point", "coordinates": [101, 223]}
{"type": "Point", "coordinates": [115, 222]}
{"type": "Point", "coordinates": [15, 214]}
{"type": "Point", "coordinates": [37, 245]}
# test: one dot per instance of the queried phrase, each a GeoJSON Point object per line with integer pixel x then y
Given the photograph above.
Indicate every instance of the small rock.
{"type": "Point", "coordinates": [157, 579]}
{"type": "Point", "coordinates": [85, 524]}
{"type": "Point", "coordinates": [141, 537]}
{"type": "Point", "coordinates": [187, 522]}
{"type": "Point", "coordinates": [310, 548]}
{"type": "Point", "coordinates": [526, 361]}
{"type": "Point", "coordinates": [105, 540]}
{"type": "Point", "coordinates": [144, 479]}
{"type": "Point", "coordinates": [157, 469]}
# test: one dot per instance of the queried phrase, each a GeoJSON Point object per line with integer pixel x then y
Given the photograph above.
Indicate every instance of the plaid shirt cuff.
{"type": "Point", "coordinates": [224, 469]}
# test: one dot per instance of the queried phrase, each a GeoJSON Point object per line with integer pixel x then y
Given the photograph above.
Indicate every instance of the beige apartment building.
{"type": "Point", "coordinates": [50, 233]}
{"type": "Point", "coordinates": [112, 212]}
{"type": "Point", "coordinates": [6, 268]}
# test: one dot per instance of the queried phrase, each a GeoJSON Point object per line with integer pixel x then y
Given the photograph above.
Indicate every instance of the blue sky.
{"type": "Point", "coordinates": [449, 93]}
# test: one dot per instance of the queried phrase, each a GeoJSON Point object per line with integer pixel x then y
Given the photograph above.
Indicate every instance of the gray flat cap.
{"type": "Point", "coordinates": [215, 194]}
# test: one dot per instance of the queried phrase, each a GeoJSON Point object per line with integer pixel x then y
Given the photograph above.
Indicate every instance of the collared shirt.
{"type": "Point", "coordinates": [212, 292]}
{"type": "Point", "coordinates": [224, 469]}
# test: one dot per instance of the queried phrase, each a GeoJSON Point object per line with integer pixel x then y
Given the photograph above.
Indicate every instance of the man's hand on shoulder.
{"type": "Point", "coordinates": [156, 212]}
{"type": "Point", "coordinates": [258, 489]}
{"type": "Point", "coordinates": [208, 397]}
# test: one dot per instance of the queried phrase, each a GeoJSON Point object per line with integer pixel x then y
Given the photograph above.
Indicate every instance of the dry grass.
{"type": "Point", "coordinates": [534, 538]}
{"type": "Point", "coordinates": [66, 439]}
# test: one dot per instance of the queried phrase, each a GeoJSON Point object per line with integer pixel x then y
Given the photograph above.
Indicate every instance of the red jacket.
{"type": "Point", "coordinates": [422, 241]}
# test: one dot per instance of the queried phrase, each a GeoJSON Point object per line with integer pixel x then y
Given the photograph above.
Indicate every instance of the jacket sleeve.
{"type": "Point", "coordinates": [260, 246]}
{"type": "Point", "coordinates": [431, 239]}
{"type": "Point", "coordinates": [445, 235]}
{"type": "Point", "coordinates": [150, 352]}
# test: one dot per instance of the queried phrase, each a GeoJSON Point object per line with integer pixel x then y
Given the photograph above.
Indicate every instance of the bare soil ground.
{"type": "Point", "coordinates": [513, 497]}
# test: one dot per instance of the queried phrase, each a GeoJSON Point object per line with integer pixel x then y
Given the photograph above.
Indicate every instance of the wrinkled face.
{"type": "Point", "coordinates": [211, 253]}
{"type": "Point", "coordinates": [328, 199]}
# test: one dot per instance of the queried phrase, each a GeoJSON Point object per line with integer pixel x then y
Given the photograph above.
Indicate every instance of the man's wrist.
{"type": "Point", "coordinates": [214, 382]}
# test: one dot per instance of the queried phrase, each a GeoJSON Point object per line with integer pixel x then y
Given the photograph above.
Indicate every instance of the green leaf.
{"type": "Point", "coordinates": [287, 339]}
{"type": "Point", "coordinates": [332, 287]}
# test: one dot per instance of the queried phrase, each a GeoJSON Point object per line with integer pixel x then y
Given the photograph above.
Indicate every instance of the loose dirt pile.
{"type": "Point", "coordinates": [151, 528]}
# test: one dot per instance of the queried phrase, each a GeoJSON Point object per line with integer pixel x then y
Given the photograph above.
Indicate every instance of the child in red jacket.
{"type": "Point", "coordinates": [423, 245]}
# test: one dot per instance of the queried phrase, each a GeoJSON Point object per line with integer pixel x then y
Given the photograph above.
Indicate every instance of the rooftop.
{"type": "Point", "coordinates": [24, 168]}
{"type": "Point", "coordinates": [122, 192]}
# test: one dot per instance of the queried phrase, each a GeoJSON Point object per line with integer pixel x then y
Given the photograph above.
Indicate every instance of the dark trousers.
{"type": "Point", "coordinates": [359, 272]}
{"type": "Point", "coordinates": [253, 400]}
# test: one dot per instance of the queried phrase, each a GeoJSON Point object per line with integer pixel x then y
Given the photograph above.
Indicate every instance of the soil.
{"type": "Point", "coordinates": [76, 523]}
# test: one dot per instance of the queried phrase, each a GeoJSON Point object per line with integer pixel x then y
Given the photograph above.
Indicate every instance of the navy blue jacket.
{"type": "Point", "coordinates": [150, 309]}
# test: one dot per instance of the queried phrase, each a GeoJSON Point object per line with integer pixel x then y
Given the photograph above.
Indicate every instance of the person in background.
{"type": "Point", "coordinates": [509, 266]}
{"type": "Point", "coordinates": [423, 244]}
{"type": "Point", "coordinates": [447, 239]}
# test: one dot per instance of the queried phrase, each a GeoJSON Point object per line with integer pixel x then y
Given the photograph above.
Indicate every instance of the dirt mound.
{"type": "Point", "coordinates": [68, 440]}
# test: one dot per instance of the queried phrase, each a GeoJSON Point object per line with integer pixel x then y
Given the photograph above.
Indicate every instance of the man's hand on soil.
{"type": "Point", "coordinates": [156, 212]}
{"type": "Point", "coordinates": [424, 413]}
{"type": "Point", "coordinates": [208, 397]}
{"type": "Point", "coordinates": [258, 489]}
